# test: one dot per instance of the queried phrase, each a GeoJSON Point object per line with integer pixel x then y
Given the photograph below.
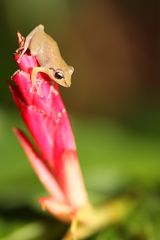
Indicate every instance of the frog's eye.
{"type": "Point", "coordinates": [59, 74]}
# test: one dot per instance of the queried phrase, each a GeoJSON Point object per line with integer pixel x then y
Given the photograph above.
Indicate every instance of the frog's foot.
{"type": "Point", "coordinates": [18, 51]}
{"type": "Point", "coordinates": [36, 83]}
{"type": "Point", "coordinates": [22, 51]}
{"type": "Point", "coordinates": [52, 90]}
{"type": "Point", "coordinates": [36, 86]}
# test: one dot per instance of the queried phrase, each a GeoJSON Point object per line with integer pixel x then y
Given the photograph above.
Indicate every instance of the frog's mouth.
{"type": "Point", "coordinates": [67, 84]}
{"type": "Point", "coordinates": [63, 83]}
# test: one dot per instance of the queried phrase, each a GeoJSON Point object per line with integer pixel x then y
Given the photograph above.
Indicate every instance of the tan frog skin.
{"type": "Point", "coordinates": [48, 55]}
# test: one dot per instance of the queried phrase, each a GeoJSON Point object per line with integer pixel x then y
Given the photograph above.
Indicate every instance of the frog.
{"type": "Point", "coordinates": [47, 53]}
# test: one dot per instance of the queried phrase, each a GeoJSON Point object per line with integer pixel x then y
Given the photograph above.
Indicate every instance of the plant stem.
{"type": "Point", "coordinates": [91, 220]}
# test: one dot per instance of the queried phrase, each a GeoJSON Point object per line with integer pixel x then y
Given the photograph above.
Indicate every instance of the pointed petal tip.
{"type": "Point", "coordinates": [18, 132]}
{"type": "Point", "coordinates": [17, 97]}
{"type": "Point", "coordinates": [60, 210]}
{"type": "Point", "coordinates": [15, 130]}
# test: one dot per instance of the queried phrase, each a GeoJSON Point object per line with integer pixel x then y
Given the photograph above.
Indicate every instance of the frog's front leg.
{"type": "Point", "coordinates": [34, 78]}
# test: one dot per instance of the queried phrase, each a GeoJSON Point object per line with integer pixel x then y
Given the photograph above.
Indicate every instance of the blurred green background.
{"type": "Point", "coordinates": [114, 105]}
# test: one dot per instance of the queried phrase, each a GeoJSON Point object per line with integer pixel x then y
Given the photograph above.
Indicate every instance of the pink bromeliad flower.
{"type": "Point", "coordinates": [53, 155]}
{"type": "Point", "coordinates": [55, 158]}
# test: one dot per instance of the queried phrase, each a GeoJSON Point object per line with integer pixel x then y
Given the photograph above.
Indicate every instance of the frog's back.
{"type": "Point", "coordinates": [44, 48]}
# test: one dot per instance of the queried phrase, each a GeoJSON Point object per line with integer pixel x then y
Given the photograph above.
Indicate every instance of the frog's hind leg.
{"type": "Point", "coordinates": [25, 47]}
{"type": "Point", "coordinates": [29, 39]}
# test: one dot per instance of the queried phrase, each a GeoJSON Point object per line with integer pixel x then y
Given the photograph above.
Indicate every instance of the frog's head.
{"type": "Point", "coordinates": [63, 77]}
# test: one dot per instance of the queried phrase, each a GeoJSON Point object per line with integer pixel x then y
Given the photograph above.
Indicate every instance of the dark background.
{"type": "Point", "coordinates": [114, 105]}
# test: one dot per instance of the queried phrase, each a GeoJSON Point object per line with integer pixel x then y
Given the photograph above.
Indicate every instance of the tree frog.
{"type": "Point", "coordinates": [48, 55]}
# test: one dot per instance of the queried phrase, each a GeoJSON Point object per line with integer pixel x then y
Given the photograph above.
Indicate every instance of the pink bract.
{"type": "Point", "coordinates": [55, 162]}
